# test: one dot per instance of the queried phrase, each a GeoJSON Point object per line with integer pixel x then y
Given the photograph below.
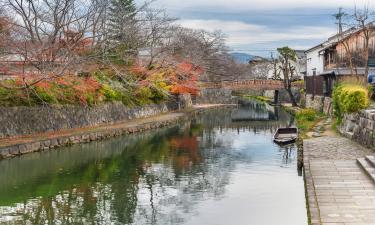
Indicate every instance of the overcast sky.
{"type": "Point", "coordinates": [260, 26]}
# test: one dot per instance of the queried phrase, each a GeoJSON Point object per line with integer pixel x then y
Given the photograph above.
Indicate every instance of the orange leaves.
{"type": "Point", "coordinates": [44, 84]}
{"type": "Point", "coordinates": [188, 151]}
{"type": "Point", "coordinates": [64, 90]}
{"type": "Point", "coordinates": [144, 83]}
{"type": "Point", "coordinates": [180, 77]}
{"type": "Point", "coordinates": [139, 70]}
{"type": "Point", "coordinates": [185, 88]}
{"type": "Point", "coordinates": [186, 78]}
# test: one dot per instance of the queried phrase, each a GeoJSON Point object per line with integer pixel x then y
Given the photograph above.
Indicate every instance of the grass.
{"type": "Point", "coordinates": [258, 98]}
{"type": "Point", "coordinates": [306, 119]}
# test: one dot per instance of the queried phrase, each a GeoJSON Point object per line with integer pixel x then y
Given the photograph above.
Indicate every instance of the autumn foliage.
{"type": "Point", "coordinates": [64, 90]}
{"type": "Point", "coordinates": [176, 78]}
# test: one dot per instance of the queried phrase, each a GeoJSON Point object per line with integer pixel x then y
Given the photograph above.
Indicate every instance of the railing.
{"type": "Point", "coordinates": [248, 84]}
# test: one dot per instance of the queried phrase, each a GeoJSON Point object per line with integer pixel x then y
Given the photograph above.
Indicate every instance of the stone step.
{"type": "Point", "coordinates": [367, 167]}
{"type": "Point", "coordinates": [371, 160]}
{"type": "Point", "coordinates": [349, 134]}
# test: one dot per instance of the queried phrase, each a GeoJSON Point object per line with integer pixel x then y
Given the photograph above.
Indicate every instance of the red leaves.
{"type": "Point", "coordinates": [138, 70]}
{"type": "Point", "coordinates": [185, 88]}
{"type": "Point", "coordinates": [186, 78]}
{"type": "Point", "coordinates": [181, 77]}
{"type": "Point", "coordinates": [144, 83]}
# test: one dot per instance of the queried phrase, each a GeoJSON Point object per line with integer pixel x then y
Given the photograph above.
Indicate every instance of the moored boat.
{"type": "Point", "coordinates": [286, 135]}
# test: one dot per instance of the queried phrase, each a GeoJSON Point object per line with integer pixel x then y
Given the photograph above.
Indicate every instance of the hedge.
{"type": "Point", "coordinates": [349, 98]}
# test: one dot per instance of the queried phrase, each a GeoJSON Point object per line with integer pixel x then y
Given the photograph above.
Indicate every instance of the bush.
{"type": "Point", "coordinates": [110, 94]}
{"type": "Point", "coordinates": [306, 118]}
{"type": "Point", "coordinates": [144, 95]}
{"type": "Point", "coordinates": [45, 96]}
{"type": "Point", "coordinates": [349, 98]}
{"type": "Point", "coordinates": [306, 114]}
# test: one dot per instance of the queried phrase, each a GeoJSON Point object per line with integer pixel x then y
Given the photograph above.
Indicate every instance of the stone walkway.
{"type": "Point", "coordinates": [339, 192]}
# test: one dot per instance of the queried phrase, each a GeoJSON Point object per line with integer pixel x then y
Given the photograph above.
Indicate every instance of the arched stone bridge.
{"type": "Point", "coordinates": [249, 84]}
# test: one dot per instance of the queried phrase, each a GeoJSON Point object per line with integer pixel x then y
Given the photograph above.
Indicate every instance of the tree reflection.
{"type": "Point", "coordinates": [153, 178]}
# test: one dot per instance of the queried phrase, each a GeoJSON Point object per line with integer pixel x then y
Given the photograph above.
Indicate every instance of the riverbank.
{"type": "Point", "coordinates": [20, 145]}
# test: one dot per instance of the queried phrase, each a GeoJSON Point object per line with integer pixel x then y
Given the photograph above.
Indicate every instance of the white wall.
{"type": "Point", "coordinates": [314, 61]}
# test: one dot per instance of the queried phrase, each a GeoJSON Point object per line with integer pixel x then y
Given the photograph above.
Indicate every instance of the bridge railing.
{"type": "Point", "coordinates": [251, 84]}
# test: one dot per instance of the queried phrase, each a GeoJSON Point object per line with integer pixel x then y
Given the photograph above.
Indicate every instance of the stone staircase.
{"type": "Point", "coordinates": [368, 165]}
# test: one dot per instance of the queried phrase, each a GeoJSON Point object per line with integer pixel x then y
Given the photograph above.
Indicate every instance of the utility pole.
{"type": "Point", "coordinates": [339, 16]}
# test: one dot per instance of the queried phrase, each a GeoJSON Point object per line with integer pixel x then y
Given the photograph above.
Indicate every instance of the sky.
{"type": "Point", "coordinates": [260, 26]}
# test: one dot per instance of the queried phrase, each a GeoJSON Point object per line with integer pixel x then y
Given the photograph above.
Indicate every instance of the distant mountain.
{"type": "Point", "coordinates": [242, 57]}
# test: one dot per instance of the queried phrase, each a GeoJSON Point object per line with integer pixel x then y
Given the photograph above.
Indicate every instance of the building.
{"type": "Point", "coordinates": [263, 67]}
{"type": "Point", "coordinates": [338, 58]}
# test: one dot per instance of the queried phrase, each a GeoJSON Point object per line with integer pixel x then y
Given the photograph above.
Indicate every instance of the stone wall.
{"type": "Point", "coordinates": [185, 101]}
{"type": "Point", "coordinates": [22, 120]}
{"type": "Point", "coordinates": [319, 103]}
{"type": "Point", "coordinates": [360, 127]}
{"type": "Point", "coordinates": [86, 137]}
{"type": "Point", "coordinates": [283, 95]}
{"type": "Point", "coordinates": [214, 96]}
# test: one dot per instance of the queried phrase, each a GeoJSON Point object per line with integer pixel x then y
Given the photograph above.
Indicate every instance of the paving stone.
{"type": "Point", "coordinates": [344, 194]}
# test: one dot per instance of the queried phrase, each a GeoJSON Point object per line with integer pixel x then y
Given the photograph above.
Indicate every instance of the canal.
{"type": "Point", "coordinates": [219, 168]}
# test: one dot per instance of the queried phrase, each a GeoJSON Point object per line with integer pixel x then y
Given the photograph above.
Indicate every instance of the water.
{"type": "Point", "coordinates": [208, 171]}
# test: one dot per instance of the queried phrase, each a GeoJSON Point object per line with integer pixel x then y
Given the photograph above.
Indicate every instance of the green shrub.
{"type": "Point", "coordinates": [144, 96]}
{"type": "Point", "coordinates": [110, 94]}
{"type": "Point", "coordinates": [158, 95]}
{"type": "Point", "coordinates": [349, 98]}
{"type": "Point", "coordinates": [45, 96]}
{"type": "Point", "coordinates": [306, 119]}
{"type": "Point", "coordinates": [306, 114]}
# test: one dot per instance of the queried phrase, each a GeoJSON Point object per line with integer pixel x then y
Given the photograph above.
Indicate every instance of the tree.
{"type": "Point", "coordinates": [206, 49]}
{"type": "Point", "coordinates": [286, 57]}
{"type": "Point", "coordinates": [357, 41]}
{"type": "Point", "coordinates": [50, 35]}
{"type": "Point", "coordinates": [364, 21]}
{"type": "Point", "coordinates": [122, 30]}
{"type": "Point", "coordinates": [156, 29]}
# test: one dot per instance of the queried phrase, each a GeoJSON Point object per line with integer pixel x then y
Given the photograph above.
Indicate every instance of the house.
{"type": "Point", "coordinates": [263, 67]}
{"type": "Point", "coordinates": [338, 58]}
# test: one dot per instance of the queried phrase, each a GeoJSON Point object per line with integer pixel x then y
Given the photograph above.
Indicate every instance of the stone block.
{"type": "Point", "coordinates": [54, 143]}
{"type": "Point", "coordinates": [63, 141]}
{"type": "Point", "coordinates": [369, 113]}
{"type": "Point", "coordinates": [4, 153]}
{"type": "Point", "coordinates": [46, 144]}
{"type": "Point", "coordinates": [369, 138]}
{"type": "Point", "coordinates": [14, 150]}
{"type": "Point", "coordinates": [362, 122]}
{"type": "Point", "coordinates": [370, 124]}
{"type": "Point", "coordinates": [93, 136]}
{"type": "Point", "coordinates": [28, 148]}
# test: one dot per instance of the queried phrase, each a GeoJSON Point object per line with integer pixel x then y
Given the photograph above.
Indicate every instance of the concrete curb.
{"type": "Point", "coordinates": [312, 203]}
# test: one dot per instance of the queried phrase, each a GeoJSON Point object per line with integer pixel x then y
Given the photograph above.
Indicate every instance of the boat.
{"type": "Point", "coordinates": [285, 135]}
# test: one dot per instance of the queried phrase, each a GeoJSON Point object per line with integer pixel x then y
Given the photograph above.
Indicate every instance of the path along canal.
{"type": "Point", "coordinates": [219, 168]}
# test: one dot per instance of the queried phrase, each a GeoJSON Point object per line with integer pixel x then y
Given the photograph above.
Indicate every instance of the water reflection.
{"type": "Point", "coordinates": [255, 110]}
{"type": "Point", "coordinates": [170, 176]}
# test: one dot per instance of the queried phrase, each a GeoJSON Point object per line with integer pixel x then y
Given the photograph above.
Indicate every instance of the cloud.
{"type": "Point", "coordinates": [263, 4]}
{"type": "Point", "coordinates": [263, 24]}
{"type": "Point", "coordinates": [240, 33]}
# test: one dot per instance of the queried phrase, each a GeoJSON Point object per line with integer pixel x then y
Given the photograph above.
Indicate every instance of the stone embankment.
{"type": "Point", "coordinates": [142, 120]}
{"type": "Point", "coordinates": [10, 147]}
{"type": "Point", "coordinates": [319, 103]}
{"type": "Point", "coordinates": [15, 121]}
{"type": "Point", "coordinates": [360, 127]}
